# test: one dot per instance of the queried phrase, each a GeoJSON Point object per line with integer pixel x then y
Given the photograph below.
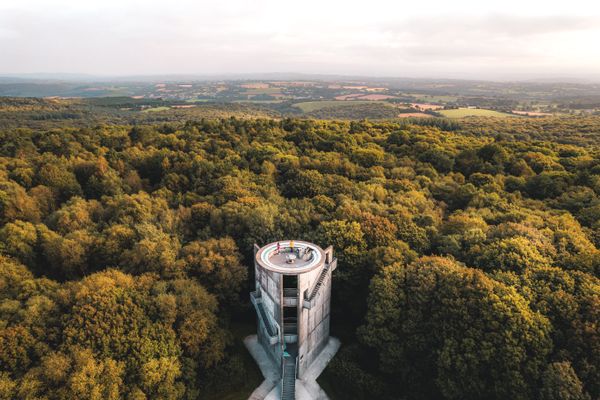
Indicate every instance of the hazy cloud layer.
{"type": "Point", "coordinates": [454, 39]}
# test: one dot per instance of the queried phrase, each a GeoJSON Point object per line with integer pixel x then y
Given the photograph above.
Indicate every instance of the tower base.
{"type": "Point", "coordinates": [307, 388]}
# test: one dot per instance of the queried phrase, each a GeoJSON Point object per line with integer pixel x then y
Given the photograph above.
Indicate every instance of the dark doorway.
{"type": "Point", "coordinates": [290, 281]}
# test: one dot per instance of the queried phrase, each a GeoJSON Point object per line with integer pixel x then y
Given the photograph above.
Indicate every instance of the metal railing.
{"type": "Point", "coordinates": [282, 377]}
{"type": "Point", "coordinates": [309, 295]}
{"type": "Point", "coordinates": [271, 330]}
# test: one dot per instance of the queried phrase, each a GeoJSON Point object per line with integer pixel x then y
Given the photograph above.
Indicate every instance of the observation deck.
{"type": "Point", "coordinates": [290, 257]}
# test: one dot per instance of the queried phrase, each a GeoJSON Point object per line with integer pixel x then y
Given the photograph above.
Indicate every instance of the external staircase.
{"type": "Point", "coordinates": [309, 296]}
{"type": "Point", "coordinates": [288, 389]}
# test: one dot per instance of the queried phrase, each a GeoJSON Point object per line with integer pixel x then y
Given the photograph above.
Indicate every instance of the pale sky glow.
{"type": "Point", "coordinates": [456, 39]}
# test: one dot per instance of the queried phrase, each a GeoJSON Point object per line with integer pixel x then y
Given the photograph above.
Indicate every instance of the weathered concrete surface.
{"type": "Point", "coordinates": [274, 394]}
{"type": "Point", "coordinates": [318, 365]}
{"type": "Point", "coordinates": [269, 370]}
{"type": "Point", "coordinates": [306, 388]}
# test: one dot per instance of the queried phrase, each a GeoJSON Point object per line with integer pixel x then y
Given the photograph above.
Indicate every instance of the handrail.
{"type": "Point", "coordinates": [282, 376]}
{"type": "Point", "coordinates": [255, 298]}
{"type": "Point", "coordinates": [310, 295]}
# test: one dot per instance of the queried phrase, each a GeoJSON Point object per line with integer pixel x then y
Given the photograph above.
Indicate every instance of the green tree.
{"type": "Point", "coordinates": [437, 321]}
{"type": "Point", "coordinates": [569, 299]}
{"type": "Point", "coordinates": [15, 203]}
{"type": "Point", "coordinates": [513, 254]}
{"type": "Point", "coordinates": [560, 382]}
{"type": "Point", "coordinates": [20, 240]}
{"type": "Point", "coordinates": [217, 264]}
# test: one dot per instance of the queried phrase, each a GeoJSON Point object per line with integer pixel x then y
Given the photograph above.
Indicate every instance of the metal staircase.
{"type": "Point", "coordinates": [309, 296]}
{"type": "Point", "coordinates": [288, 389]}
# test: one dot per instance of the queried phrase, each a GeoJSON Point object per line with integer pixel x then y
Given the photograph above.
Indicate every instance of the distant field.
{"type": "Point", "coordinates": [310, 106]}
{"type": "Point", "coordinates": [426, 106]}
{"type": "Point", "coordinates": [473, 112]}
{"type": "Point", "coordinates": [425, 98]}
{"type": "Point", "coordinates": [271, 90]}
{"type": "Point", "coordinates": [532, 113]}
{"type": "Point", "coordinates": [258, 101]}
{"type": "Point", "coordinates": [198, 100]}
{"type": "Point", "coordinates": [415, 115]}
{"type": "Point", "coordinates": [156, 109]}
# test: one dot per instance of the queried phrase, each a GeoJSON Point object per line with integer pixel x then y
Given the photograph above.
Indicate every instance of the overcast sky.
{"type": "Point", "coordinates": [449, 38]}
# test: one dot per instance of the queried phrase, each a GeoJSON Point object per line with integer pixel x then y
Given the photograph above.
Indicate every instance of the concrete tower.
{"type": "Point", "coordinates": [292, 297]}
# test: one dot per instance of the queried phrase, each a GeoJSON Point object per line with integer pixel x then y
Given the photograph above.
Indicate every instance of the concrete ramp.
{"type": "Point", "coordinates": [307, 388]}
{"type": "Point", "coordinates": [269, 370]}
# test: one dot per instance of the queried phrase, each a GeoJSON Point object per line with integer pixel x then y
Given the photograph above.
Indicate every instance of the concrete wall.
{"type": "Point", "coordinates": [269, 284]}
{"type": "Point", "coordinates": [314, 328]}
{"type": "Point", "coordinates": [305, 283]}
{"type": "Point", "coordinates": [314, 322]}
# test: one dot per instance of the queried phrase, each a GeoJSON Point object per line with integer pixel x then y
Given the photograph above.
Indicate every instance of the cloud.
{"type": "Point", "coordinates": [498, 25]}
{"type": "Point", "coordinates": [488, 40]}
{"type": "Point", "coordinates": [381, 37]}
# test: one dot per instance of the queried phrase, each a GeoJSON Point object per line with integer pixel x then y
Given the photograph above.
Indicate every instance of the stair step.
{"type": "Point", "coordinates": [320, 281]}
{"type": "Point", "coordinates": [289, 379]}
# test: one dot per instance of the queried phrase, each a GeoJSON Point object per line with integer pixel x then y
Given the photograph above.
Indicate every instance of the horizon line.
{"type": "Point", "coordinates": [88, 77]}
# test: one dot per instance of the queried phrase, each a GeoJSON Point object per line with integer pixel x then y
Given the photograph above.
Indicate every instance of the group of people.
{"type": "Point", "coordinates": [294, 250]}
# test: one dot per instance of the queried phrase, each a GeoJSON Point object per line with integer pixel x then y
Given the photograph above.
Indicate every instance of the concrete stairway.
{"type": "Point", "coordinates": [289, 379]}
{"type": "Point", "coordinates": [321, 279]}
{"type": "Point", "coordinates": [313, 293]}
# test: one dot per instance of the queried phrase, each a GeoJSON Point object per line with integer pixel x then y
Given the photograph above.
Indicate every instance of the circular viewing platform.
{"type": "Point", "coordinates": [290, 257]}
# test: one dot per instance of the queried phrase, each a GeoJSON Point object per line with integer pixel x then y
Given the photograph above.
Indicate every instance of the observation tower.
{"type": "Point", "coordinates": [292, 301]}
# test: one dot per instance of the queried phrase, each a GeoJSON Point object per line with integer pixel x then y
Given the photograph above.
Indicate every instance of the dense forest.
{"type": "Point", "coordinates": [468, 254]}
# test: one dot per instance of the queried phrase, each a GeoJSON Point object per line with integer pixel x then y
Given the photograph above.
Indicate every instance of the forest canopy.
{"type": "Point", "coordinates": [469, 259]}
